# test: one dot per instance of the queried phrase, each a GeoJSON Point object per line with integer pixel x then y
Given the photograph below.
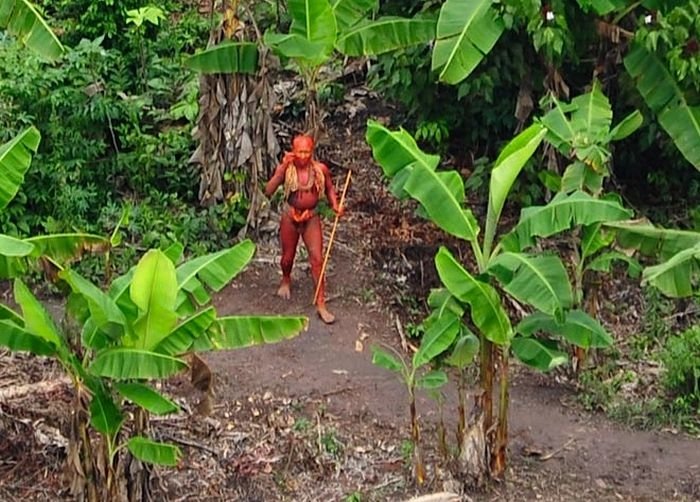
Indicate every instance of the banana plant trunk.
{"type": "Point", "coordinates": [418, 466]}
{"type": "Point", "coordinates": [498, 458]}
{"type": "Point", "coordinates": [473, 461]}
{"type": "Point", "coordinates": [84, 480]}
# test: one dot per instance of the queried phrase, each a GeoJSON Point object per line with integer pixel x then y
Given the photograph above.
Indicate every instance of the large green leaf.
{"type": "Point", "coordinates": [313, 19]}
{"type": "Point", "coordinates": [506, 169]}
{"type": "Point", "coordinates": [128, 363]}
{"type": "Point", "coordinates": [662, 94]}
{"type": "Point", "coordinates": [578, 328]}
{"type": "Point", "coordinates": [153, 452]}
{"type": "Point", "coordinates": [6, 313]}
{"type": "Point", "coordinates": [105, 415]}
{"type": "Point", "coordinates": [105, 313]}
{"type": "Point", "coordinates": [395, 151]}
{"type": "Point", "coordinates": [237, 332]}
{"type": "Point", "coordinates": [37, 319]}
{"type": "Point", "coordinates": [19, 339]}
{"type": "Point", "coordinates": [627, 126]}
{"type": "Point", "coordinates": [486, 309]}
{"type": "Point", "coordinates": [592, 113]}
{"type": "Point", "coordinates": [602, 7]}
{"type": "Point", "coordinates": [147, 398]}
{"type": "Point", "coordinates": [228, 57]}
{"type": "Point", "coordinates": [22, 20]}
{"type": "Point", "coordinates": [604, 262]}
{"type": "Point", "coordinates": [437, 339]}
{"type": "Point", "coordinates": [64, 247]}
{"type": "Point", "coordinates": [438, 200]}
{"type": "Point", "coordinates": [563, 212]}
{"type": "Point", "coordinates": [467, 30]}
{"type": "Point", "coordinates": [386, 34]}
{"type": "Point", "coordinates": [214, 270]}
{"type": "Point", "coordinates": [181, 338]}
{"type": "Point", "coordinates": [15, 157]}
{"type": "Point", "coordinates": [652, 241]}
{"type": "Point", "coordinates": [678, 276]}
{"type": "Point", "coordinates": [11, 246]}
{"type": "Point", "coordinates": [536, 354]}
{"type": "Point", "coordinates": [154, 291]}
{"type": "Point", "coordinates": [538, 280]}
{"type": "Point", "coordinates": [350, 12]}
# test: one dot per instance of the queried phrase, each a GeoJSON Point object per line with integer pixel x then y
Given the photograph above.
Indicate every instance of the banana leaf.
{"type": "Point", "coordinates": [662, 94]}
{"type": "Point", "coordinates": [437, 339]}
{"type": "Point", "coordinates": [536, 354]}
{"type": "Point", "coordinates": [154, 291]}
{"type": "Point", "coordinates": [562, 213]}
{"type": "Point", "coordinates": [465, 349]}
{"type": "Point", "coordinates": [678, 276]}
{"type": "Point", "coordinates": [147, 398]}
{"type": "Point", "coordinates": [487, 313]}
{"type": "Point", "coordinates": [105, 314]}
{"type": "Point", "coordinates": [15, 158]}
{"type": "Point", "coordinates": [350, 12]}
{"type": "Point", "coordinates": [37, 319]}
{"type": "Point", "coordinates": [508, 165]}
{"type": "Point", "coordinates": [578, 328]}
{"type": "Point", "coordinates": [313, 20]}
{"type": "Point", "coordinates": [128, 363]}
{"type": "Point", "coordinates": [602, 7]}
{"type": "Point", "coordinates": [371, 38]}
{"type": "Point", "coordinates": [6, 313]}
{"type": "Point", "coordinates": [214, 270]}
{"type": "Point", "coordinates": [153, 452]}
{"type": "Point", "coordinates": [13, 247]}
{"type": "Point", "coordinates": [438, 199]}
{"type": "Point", "coordinates": [432, 380]}
{"type": "Point", "coordinates": [180, 340]}
{"type": "Point", "coordinates": [18, 339]}
{"type": "Point", "coordinates": [388, 361]}
{"type": "Point", "coordinates": [538, 280]}
{"type": "Point", "coordinates": [650, 240]}
{"type": "Point", "coordinates": [396, 150]}
{"type": "Point", "coordinates": [22, 20]}
{"type": "Point", "coordinates": [237, 332]}
{"type": "Point", "coordinates": [295, 46]}
{"type": "Point", "coordinates": [228, 57]}
{"type": "Point", "coordinates": [467, 30]}
{"type": "Point", "coordinates": [65, 247]}
{"type": "Point", "coordinates": [105, 415]}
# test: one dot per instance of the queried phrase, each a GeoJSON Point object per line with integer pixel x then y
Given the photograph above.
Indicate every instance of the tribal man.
{"type": "Point", "coordinates": [305, 182]}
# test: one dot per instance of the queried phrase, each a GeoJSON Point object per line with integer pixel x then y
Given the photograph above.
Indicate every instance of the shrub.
{"type": "Point", "coordinates": [681, 358]}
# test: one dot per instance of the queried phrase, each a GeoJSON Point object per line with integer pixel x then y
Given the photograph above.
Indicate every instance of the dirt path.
{"type": "Point", "coordinates": [591, 458]}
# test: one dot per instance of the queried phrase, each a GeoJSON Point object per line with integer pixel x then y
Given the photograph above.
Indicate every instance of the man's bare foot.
{"type": "Point", "coordinates": [283, 290]}
{"type": "Point", "coordinates": [325, 316]}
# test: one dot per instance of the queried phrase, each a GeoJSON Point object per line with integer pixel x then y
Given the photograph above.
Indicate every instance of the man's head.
{"type": "Point", "coordinates": [303, 149]}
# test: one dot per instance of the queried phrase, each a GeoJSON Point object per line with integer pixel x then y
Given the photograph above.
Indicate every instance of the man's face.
{"type": "Point", "coordinates": [303, 149]}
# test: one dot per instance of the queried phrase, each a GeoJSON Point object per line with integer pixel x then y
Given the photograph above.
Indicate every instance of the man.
{"type": "Point", "coordinates": [305, 181]}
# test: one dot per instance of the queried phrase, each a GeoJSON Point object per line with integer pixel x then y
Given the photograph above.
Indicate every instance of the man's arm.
{"type": "Point", "coordinates": [277, 178]}
{"type": "Point", "coordinates": [330, 190]}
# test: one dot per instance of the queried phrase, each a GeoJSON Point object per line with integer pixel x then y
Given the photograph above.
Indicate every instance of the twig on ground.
{"type": "Point", "coordinates": [402, 335]}
{"type": "Point", "coordinates": [338, 391]}
{"type": "Point", "coordinates": [386, 483]}
{"type": "Point", "coordinates": [557, 451]}
{"type": "Point", "coordinates": [193, 444]}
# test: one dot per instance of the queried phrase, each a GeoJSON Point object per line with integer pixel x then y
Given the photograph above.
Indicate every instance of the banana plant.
{"type": "Point", "coordinates": [538, 280]}
{"type": "Point", "coordinates": [321, 26]}
{"type": "Point", "coordinates": [443, 329]}
{"type": "Point", "coordinates": [582, 132]}
{"type": "Point", "coordinates": [21, 19]}
{"type": "Point", "coordinates": [132, 335]}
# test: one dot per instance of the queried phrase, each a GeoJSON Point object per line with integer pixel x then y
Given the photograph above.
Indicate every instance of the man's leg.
{"type": "Point", "coordinates": [289, 237]}
{"type": "Point", "coordinates": [313, 239]}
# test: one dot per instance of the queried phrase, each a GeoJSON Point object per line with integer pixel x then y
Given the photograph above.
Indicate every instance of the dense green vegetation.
{"type": "Point", "coordinates": [579, 116]}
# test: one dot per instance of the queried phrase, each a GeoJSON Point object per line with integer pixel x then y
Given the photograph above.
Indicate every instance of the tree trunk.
{"type": "Point", "coordinates": [498, 458]}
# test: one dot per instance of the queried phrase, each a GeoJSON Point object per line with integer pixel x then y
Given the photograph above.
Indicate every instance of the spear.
{"type": "Point", "coordinates": [330, 241]}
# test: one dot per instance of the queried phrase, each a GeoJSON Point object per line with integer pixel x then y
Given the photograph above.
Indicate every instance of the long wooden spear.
{"type": "Point", "coordinates": [330, 241]}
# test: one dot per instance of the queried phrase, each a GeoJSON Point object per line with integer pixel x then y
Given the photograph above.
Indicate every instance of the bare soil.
{"type": "Point", "coordinates": [312, 419]}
